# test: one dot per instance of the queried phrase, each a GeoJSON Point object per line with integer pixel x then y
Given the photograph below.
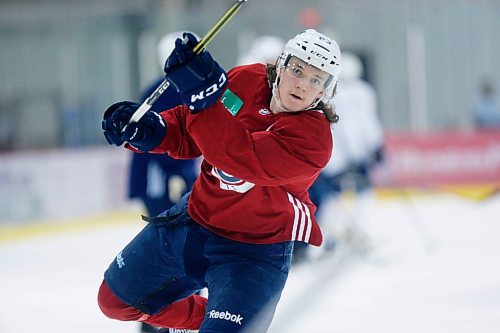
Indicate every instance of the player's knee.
{"type": "Point", "coordinates": [113, 307]}
{"type": "Point", "coordinates": [107, 301]}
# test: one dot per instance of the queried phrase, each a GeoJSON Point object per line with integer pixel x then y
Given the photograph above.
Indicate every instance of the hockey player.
{"type": "Point", "coordinates": [264, 133]}
{"type": "Point", "coordinates": [359, 149]}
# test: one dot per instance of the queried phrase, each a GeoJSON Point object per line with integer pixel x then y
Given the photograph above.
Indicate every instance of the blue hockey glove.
{"type": "Point", "coordinates": [198, 78]}
{"type": "Point", "coordinates": [114, 121]}
{"type": "Point", "coordinates": [378, 155]}
{"type": "Point", "coordinates": [144, 135]}
{"type": "Point", "coordinates": [376, 158]}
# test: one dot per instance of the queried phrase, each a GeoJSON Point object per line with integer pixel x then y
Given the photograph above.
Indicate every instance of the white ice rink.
{"type": "Point", "coordinates": [434, 267]}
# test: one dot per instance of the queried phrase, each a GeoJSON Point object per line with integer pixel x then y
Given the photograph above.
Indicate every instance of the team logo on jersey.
{"type": "Point", "coordinates": [264, 112]}
{"type": "Point", "coordinates": [231, 183]}
{"type": "Point", "coordinates": [232, 102]}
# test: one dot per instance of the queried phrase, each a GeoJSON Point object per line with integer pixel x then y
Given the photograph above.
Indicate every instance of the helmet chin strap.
{"type": "Point", "coordinates": [315, 103]}
{"type": "Point", "coordinates": [276, 95]}
{"type": "Point", "coordinates": [277, 98]}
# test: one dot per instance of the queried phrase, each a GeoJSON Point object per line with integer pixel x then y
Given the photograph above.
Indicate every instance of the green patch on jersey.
{"type": "Point", "coordinates": [232, 102]}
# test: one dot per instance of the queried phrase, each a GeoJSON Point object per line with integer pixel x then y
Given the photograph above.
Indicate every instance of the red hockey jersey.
{"type": "Point", "coordinates": [257, 165]}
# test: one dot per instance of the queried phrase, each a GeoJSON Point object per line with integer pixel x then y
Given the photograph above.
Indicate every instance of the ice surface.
{"type": "Point", "coordinates": [434, 267]}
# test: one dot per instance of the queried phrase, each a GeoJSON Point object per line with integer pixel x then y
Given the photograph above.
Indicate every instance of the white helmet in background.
{"type": "Point", "coordinates": [264, 49]}
{"type": "Point", "coordinates": [352, 68]}
{"type": "Point", "coordinates": [317, 50]}
{"type": "Point", "coordinates": [166, 45]}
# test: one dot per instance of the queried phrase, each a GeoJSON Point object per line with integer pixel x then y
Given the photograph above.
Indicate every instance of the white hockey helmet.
{"type": "Point", "coordinates": [317, 50]}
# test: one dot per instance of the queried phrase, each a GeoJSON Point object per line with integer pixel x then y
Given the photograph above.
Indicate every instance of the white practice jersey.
{"type": "Point", "coordinates": [358, 133]}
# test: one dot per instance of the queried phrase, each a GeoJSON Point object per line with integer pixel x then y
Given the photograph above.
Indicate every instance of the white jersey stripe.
{"type": "Point", "coordinates": [309, 224]}
{"type": "Point", "coordinates": [295, 218]}
{"type": "Point", "coordinates": [302, 220]}
{"type": "Point", "coordinates": [302, 223]}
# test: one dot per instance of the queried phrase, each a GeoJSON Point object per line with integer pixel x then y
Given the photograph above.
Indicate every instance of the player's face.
{"type": "Point", "coordinates": [300, 85]}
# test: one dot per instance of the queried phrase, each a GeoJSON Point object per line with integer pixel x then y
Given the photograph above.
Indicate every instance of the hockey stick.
{"type": "Point", "coordinates": [146, 106]}
{"type": "Point", "coordinates": [418, 223]}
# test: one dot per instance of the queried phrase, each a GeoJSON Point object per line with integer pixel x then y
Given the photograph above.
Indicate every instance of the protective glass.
{"type": "Point", "coordinates": [314, 77]}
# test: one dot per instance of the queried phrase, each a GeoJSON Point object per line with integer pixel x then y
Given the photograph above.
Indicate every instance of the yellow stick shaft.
{"type": "Point", "coordinates": [141, 111]}
{"type": "Point", "coordinates": [218, 26]}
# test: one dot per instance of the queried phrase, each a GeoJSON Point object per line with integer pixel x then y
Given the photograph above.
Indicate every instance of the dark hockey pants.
{"type": "Point", "coordinates": [154, 278]}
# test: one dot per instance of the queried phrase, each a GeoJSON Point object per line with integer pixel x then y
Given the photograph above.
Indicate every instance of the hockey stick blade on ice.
{"type": "Point", "coordinates": [146, 106]}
